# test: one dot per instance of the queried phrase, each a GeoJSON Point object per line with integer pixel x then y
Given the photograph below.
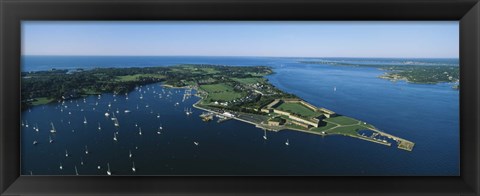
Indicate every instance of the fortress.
{"type": "Point", "coordinates": [297, 118]}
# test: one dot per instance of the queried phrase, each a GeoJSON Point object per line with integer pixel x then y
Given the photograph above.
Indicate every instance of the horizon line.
{"type": "Point", "coordinates": [119, 55]}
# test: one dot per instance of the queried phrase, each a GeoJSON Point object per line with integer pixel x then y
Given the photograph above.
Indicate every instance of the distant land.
{"type": "Point", "coordinates": [413, 73]}
{"type": "Point", "coordinates": [234, 92]}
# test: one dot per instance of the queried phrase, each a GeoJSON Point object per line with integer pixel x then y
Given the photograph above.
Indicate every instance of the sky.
{"type": "Point", "coordinates": [413, 39]}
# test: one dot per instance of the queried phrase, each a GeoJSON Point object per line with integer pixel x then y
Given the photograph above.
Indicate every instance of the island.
{"type": "Point", "coordinates": [419, 74]}
{"type": "Point", "coordinates": [229, 92]}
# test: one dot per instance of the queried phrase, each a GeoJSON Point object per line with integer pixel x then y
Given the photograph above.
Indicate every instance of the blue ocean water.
{"type": "Point", "coordinates": [425, 114]}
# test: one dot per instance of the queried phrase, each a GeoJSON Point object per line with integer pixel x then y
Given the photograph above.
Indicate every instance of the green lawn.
{"type": "Point", "coordinates": [135, 77]}
{"type": "Point", "coordinates": [298, 108]}
{"type": "Point", "coordinates": [220, 92]}
{"type": "Point", "coordinates": [343, 120]}
{"type": "Point", "coordinates": [212, 88]}
{"type": "Point", "coordinates": [249, 80]}
{"type": "Point", "coordinates": [41, 101]}
{"type": "Point", "coordinates": [350, 130]}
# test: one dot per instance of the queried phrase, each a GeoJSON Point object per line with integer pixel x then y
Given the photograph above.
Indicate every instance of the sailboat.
{"type": "Point", "coordinates": [108, 171]}
{"type": "Point", "coordinates": [84, 120]}
{"type": "Point", "coordinates": [133, 167]}
{"type": "Point", "coordinates": [61, 166]}
{"type": "Point", "coordinates": [130, 154]}
{"type": "Point", "coordinates": [287, 143]}
{"type": "Point", "coordinates": [86, 149]}
{"type": "Point", "coordinates": [50, 139]}
{"type": "Point", "coordinates": [115, 120]}
{"type": "Point", "coordinates": [76, 171]}
{"type": "Point", "coordinates": [114, 136]}
{"type": "Point", "coordinates": [265, 135]}
{"type": "Point", "coordinates": [53, 130]}
{"type": "Point", "coordinates": [66, 153]}
{"type": "Point", "coordinates": [139, 131]}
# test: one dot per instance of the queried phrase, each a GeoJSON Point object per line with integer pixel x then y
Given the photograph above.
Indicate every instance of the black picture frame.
{"type": "Point", "coordinates": [12, 12]}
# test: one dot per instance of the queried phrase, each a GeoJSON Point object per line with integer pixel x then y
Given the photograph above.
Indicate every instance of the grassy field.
{"type": "Point", "coordinates": [343, 120]}
{"type": "Point", "coordinates": [213, 88]}
{"type": "Point", "coordinates": [348, 130]}
{"type": "Point", "coordinates": [220, 92]}
{"type": "Point", "coordinates": [41, 100]}
{"type": "Point", "coordinates": [135, 77]}
{"type": "Point", "coordinates": [249, 80]}
{"type": "Point", "coordinates": [299, 109]}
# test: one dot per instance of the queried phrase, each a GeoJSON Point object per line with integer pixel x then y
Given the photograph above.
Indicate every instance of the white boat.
{"type": "Point", "coordinates": [66, 153]}
{"type": "Point", "coordinates": [35, 142]}
{"type": "Point", "coordinates": [109, 105]}
{"type": "Point", "coordinates": [114, 136]}
{"type": "Point", "coordinates": [130, 154]}
{"type": "Point", "coordinates": [53, 130]}
{"type": "Point", "coordinates": [107, 114]}
{"type": "Point", "coordinates": [127, 111]}
{"type": "Point", "coordinates": [133, 167]}
{"type": "Point", "coordinates": [81, 161]}
{"type": "Point", "coordinates": [99, 127]}
{"type": "Point", "coordinates": [137, 106]}
{"type": "Point", "coordinates": [50, 139]}
{"type": "Point", "coordinates": [158, 115]}
{"type": "Point", "coordinates": [76, 171]}
{"type": "Point", "coordinates": [118, 111]}
{"type": "Point", "coordinates": [36, 128]}
{"type": "Point", "coordinates": [196, 143]}
{"type": "Point", "coordinates": [61, 166]}
{"type": "Point", "coordinates": [136, 125]}
{"type": "Point", "coordinates": [108, 171]}
{"type": "Point", "coordinates": [84, 120]}
{"type": "Point", "coordinates": [26, 124]}
{"type": "Point", "coordinates": [141, 96]}
{"type": "Point", "coordinates": [139, 131]}
{"type": "Point", "coordinates": [287, 143]}
{"type": "Point", "coordinates": [265, 135]}
{"type": "Point", "coordinates": [86, 149]}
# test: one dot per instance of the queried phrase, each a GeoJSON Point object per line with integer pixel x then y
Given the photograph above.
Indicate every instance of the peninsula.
{"type": "Point", "coordinates": [237, 92]}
